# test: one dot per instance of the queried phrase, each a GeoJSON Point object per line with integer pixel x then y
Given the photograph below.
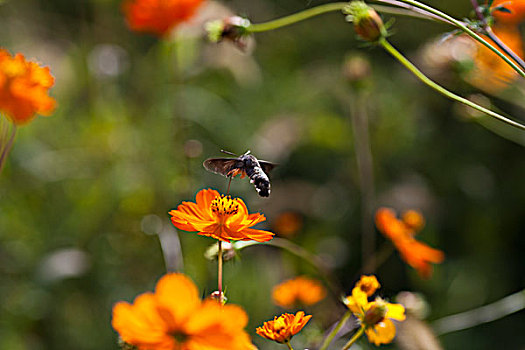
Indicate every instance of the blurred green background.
{"type": "Point", "coordinates": [85, 193]}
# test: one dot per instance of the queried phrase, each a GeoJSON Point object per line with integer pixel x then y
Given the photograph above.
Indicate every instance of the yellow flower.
{"type": "Point", "coordinates": [174, 318]}
{"type": "Point", "coordinates": [299, 290]}
{"type": "Point", "coordinates": [218, 216]}
{"type": "Point", "coordinates": [283, 327]}
{"type": "Point", "coordinates": [368, 284]}
{"type": "Point", "coordinates": [375, 316]}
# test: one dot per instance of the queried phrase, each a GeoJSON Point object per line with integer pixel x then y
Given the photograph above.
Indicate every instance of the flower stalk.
{"type": "Point", "coordinates": [414, 70]}
{"type": "Point", "coordinates": [336, 329]}
{"type": "Point", "coordinates": [219, 274]}
{"type": "Point", "coordinates": [354, 338]}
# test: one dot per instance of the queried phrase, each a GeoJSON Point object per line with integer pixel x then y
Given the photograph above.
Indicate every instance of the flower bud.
{"type": "Point", "coordinates": [219, 297]}
{"type": "Point", "coordinates": [233, 28]}
{"type": "Point", "coordinates": [367, 23]}
{"type": "Point", "coordinates": [376, 313]}
{"type": "Point", "coordinates": [413, 219]}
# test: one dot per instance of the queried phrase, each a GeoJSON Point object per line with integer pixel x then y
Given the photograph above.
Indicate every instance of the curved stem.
{"type": "Point", "coordinates": [7, 137]}
{"type": "Point", "coordinates": [296, 17]}
{"type": "Point", "coordinates": [334, 331]}
{"type": "Point", "coordinates": [467, 30]}
{"type": "Point", "coordinates": [504, 47]}
{"type": "Point", "coordinates": [414, 70]}
{"type": "Point", "coordinates": [354, 338]}
{"type": "Point", "coordinates": [288, 344]}
{"type": "Point", "coordinates": [302, 253]}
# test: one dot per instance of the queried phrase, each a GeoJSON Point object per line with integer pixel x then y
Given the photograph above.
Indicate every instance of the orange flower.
{"type": "Point", "coordinates": [23, 88]}
{"type": "Point", "coordinates": [218, 216]}
{"type": "Point", "coordinates": [300, 290]}
{"type": "Point", "coordinates": [288, 223]}
{"type": "Point", "coordinates": [376, 316]}
{"type": "Point", "coordinates": [490, 72]}
{"type": "Point", "coordinates": [174, 318]}
{"type": "Point", "coordinates": [516, 8]}
{"type": "Point", "coordinates": [158, 16]}
{"type": "Point", "coordinates": [284, 327]}
{"type": "Point", "coordinates": [414, 253]}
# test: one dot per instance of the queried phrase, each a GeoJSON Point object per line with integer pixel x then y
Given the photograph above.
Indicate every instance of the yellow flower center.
{"type": "Point", "coordinates": [224, 205]}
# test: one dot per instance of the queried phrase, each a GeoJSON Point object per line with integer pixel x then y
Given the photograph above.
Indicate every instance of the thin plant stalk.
{"type": "Point", "coordinates": [296, 17]}
{"type": "Point", "coordinates": [302, 253]}
{"type": "Point", "coordinates": [352, 340]}
{"type": "Point", "coordinates": [359, 117]}
{"type": "Point", "coordinates": [7, 138]}
{"type": "Point", "coordinates": [288, 345]}
{"type": "Point", "coordinates": [488, 313]}
{"type": "Point", "coordinates": [414, 70]}
{"type": "Point", "coordinates": [337, 328]}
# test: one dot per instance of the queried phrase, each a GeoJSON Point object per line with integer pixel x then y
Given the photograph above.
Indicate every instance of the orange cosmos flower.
{"type": "Point", "coordinates": [284, 327]}
{"type": "Point", "coordinates": [24, 87]}
{"type": "Point", "coordinates": [218, 216]}
{"type": "Point", "coordinates": [490, 72]}
{"type": "Point", "coordinates": [174, 318]}
{"type": "Point", "coordinates": [516, 8]}
{"type": "Point", "coordinates": [158, 16]}
{"type": "Point", "coordinates": [376, 316]}
{"type": "Point", "coordinates": [299, 290]}
{"type": "Point", "coordinates": [414, 253]}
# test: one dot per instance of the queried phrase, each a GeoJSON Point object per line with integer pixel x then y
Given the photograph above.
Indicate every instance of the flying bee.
{"type": "Point", "coordinates": [244, 165]}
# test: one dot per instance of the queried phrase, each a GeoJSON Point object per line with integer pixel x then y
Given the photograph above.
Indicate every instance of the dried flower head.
{"type": "Point", "coordinates": [298, 291]}
{"type": "Point", "coordinates": [375, 316]}
{"type": "Point", "coordinates": [220, 217]}
{"type": "Point", "coordinates": [414, 253]}
{"type": "Point", "coordinates": [283, 327]}
{"type": "Point", "coordinates": [158, 17]}
{"type": "Point", "coordinates": [175, 318]}
{"type": "Point", "coordinates": [24, 87]}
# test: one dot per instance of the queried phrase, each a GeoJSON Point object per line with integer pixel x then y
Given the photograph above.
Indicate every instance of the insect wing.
{"type": "Point", "coordinates": [222, 166]}
{"type": "Point", "coordinates": [267, 166]}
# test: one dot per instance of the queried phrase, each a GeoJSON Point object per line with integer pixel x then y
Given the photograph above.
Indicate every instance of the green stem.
{"type": "Point", "coordinates": [288, 344]}
{"type": "Point", "coordinates": [354, 338]}
{"type": "Point", "coordinates": [467, 30]}
{"type": "Point", "coordinates": [302, 253]}
{"type": "Point", "coordinates": [413, 69]}
{"type": "Point", "coordinates": [296, 17]}
{"type": "Point", "coordinates": [334, 331]}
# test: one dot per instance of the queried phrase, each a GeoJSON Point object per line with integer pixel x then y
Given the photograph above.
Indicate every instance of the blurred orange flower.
{"type": "Point", "coordinates": [299, 290]}
{"type": "Point", "coordinates": [284, 327]}
{"type": "Point", "coordinates": [218, 216]}
{"type": "Point", "coordinates": [376, 316]}
{"type": "Point", "coordinates": [158, 16]}
{"type": "Point", "coordinates": [175, 318]}
{"type": "Point", "coordinates": [24, 88]}
{"type": "Point", "coordinates": [414, 253]}
{"type": "Point", "coordinates": [516, 8]}
{"type": "Point", "coordinates": [490, 72]}
{"type": "Point", "coordinates": [288, 223]}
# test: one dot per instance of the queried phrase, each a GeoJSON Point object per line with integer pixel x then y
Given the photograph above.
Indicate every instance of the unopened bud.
{"type": "Point", "coordinates": [234, 29]}
{"type": "Point", "coordinates": [367, 23]}
{"type": "Point", "coordinates": [376, 313]}
{"type": "Point", "coordinates": [356, 69]}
